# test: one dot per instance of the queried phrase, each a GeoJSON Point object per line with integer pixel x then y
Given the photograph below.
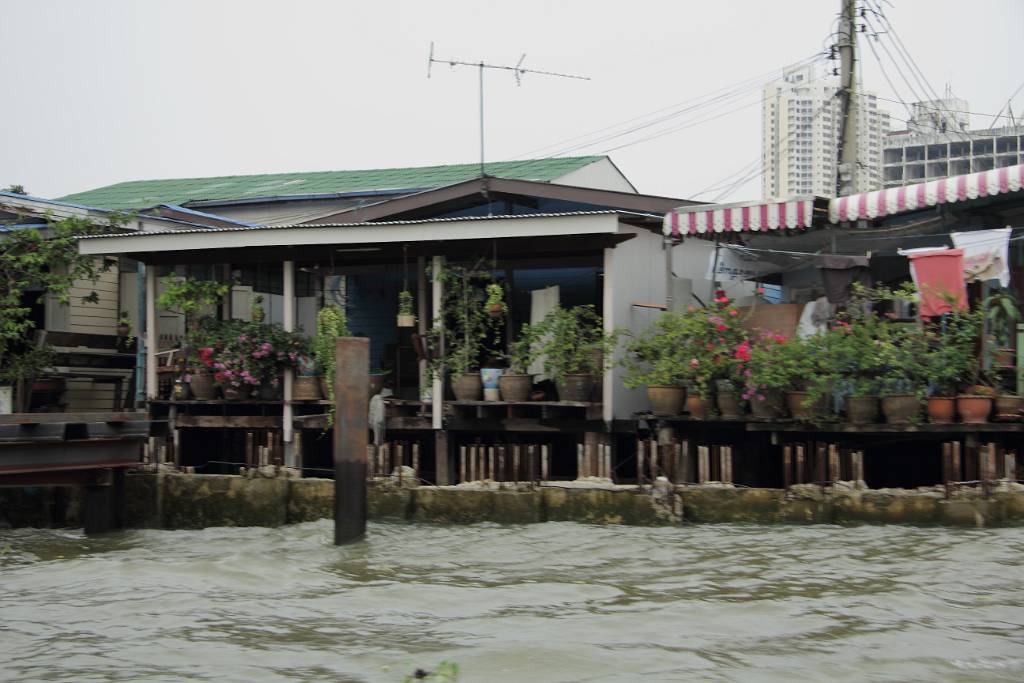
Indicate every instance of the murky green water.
{"type": "Point", "coordinates": [548, 602]}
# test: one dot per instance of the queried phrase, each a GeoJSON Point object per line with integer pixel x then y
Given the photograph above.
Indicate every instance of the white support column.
{"type": "Point", "coordinates": [288, 320]}
{"type": "Point", "coordinates": [608, 297]}
{"type": "Point", "coordinates": [421, 323]}
{"type": "Point", "coordinates": [437, 392]}
{"type": "Point", "coordinates": [150, 325]}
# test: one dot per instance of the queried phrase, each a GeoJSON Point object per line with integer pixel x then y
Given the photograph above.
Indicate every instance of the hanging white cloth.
{"type": "Point", "coordinates": [814, 318]}
{"type": "Point", "coordinates": [986, 254]}
{"type": "Point", "coordinates": [542, 302]}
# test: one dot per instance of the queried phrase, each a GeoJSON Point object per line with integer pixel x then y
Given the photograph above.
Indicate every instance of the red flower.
{"type": "Point", "coordinates": [742, 351]}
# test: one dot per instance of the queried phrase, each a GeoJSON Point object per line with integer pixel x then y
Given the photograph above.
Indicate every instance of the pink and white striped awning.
{"type": "Point", "coordinates": [747, 217]}
{"type": "Point", "coordinates": [923, 195]}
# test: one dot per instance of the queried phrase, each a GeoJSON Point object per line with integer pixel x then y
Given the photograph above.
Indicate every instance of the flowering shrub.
{"type": "Point", "coordinates": [244, 354]}
{"type": "Point", "coordinates": [695, 347]}
{"type": "Point", "coordinates": [774, 363]}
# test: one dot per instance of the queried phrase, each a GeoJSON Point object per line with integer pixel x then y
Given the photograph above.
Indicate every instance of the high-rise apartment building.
{"type": "Point", "coordinates": [800, 129]}
{"type": "Point", "coordinates": [938, 144]}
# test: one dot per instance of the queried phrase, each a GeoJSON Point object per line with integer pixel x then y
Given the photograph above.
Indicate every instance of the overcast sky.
{"type": "Point", "coordinates": [97, 92]}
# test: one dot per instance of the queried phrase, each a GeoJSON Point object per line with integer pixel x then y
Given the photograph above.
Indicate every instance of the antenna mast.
{"type": "Point", "coordinates": [518, 71]}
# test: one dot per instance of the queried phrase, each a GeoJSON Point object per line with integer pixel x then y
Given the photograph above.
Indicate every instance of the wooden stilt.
{"type": "Point", "coordinates": [640, 448]}
{"type": "Point", "coordinates": [958, 474]}
{"type": "Point", "coordinates": [579, 460]}
{"type": "Point", "coordinates": [800, 463]}
{"type": "Point", "coordinates": [833, 463]}
{"type": "Point", "coordinates": [947, 462]}
{"type": "Point", "coordinates": [516, 449]}
{"type": "Point", "coordinates": [416, 459]}
{"type": "Point", "coordinates": [703, 463]}
{"type": "Point", "coordinates": [787, 465]}
{"type": "Point", "coordinates": [501, 464]}
{"type": "Point", "coordinates": [1011, 466]}
{"type": "Point", "coordinates": [545, 464]}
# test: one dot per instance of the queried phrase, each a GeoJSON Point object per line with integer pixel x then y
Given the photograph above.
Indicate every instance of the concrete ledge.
{"type": "Point", "coordinates": [721, 504]}
{"type": "Point", "coordinates": [181, 501]}
{"type": "Point", "coordinates": [198, 501]}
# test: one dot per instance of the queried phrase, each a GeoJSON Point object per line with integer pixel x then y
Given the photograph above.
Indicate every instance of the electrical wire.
{"type": "Point", "coordinates": [722, 95]}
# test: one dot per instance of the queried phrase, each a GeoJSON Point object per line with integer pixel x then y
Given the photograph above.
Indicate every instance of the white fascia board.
{"type": "Point", "coordinates": [358, 234]}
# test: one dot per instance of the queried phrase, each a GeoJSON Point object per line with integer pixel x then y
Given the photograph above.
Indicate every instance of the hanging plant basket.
{"type": "Point", "coordinates": [406, 320]}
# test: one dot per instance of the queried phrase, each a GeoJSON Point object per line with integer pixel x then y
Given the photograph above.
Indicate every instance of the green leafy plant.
{"type": "Point", "coordinates": [40, 264]}
{"type": "Point", "coordinates": [331, 323]}
{"type": "Point", "coordinates": [776, 364]}
{"type": "Point", "coordinates": [189, 296]}
{"type": "Point", "coordinates": [572, 341]}
{"type": "Point", "coordinates": [521, 353]}
{"type": "Point", "coordinates": [660, 356]}
{"type": "Point", "coordinates": [405, 302]}
{"type": "Point", "coordinates": [244, 354]}
{"type": "Point", "coordinates": [495, 303]}
{"type": "Point", "coordinates": [468, 334]}
{"type": "Point", "coordinates": [258, 314]}
{"type": "Point", "coordinates": [1002, 315]}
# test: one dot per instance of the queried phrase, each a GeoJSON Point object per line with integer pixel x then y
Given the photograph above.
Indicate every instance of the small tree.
{"type": "Point", "coordinates": [331, 323]}
{"type": "Point", "coordinates": [189, 296]}
{"type": "Point", "coordinates": [44, 261]}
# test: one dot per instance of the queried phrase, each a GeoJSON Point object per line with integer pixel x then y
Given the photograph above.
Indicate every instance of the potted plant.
{"type": "Point", "coordinates": [406, 318]}
{"type": "Point", "coordinates": [950, 361]}
{"type": "Point", "coordinates": [516, 383]}
{"type": "Point", "coordinates": [570, 339]}
{"type": "Point", "coordinates": [658, 359]}
{"type": "Point", "coordinates": [124, 325]}
{"type": "Point", "coordinates": [774, 366]}
{"type": "Point", "coordinates": [331, 323]}
{"type": "Point", "coordinates": [495, 304]}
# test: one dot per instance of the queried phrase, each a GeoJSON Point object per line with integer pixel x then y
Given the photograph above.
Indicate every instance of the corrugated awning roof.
{"type": "Point", "coordinates": [742, 217]}
{"type": "Point", "coordinates": [894, 200]}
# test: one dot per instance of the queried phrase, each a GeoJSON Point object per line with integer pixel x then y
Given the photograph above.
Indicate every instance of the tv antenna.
{"type": "Point", "coordinates": [518, 71]}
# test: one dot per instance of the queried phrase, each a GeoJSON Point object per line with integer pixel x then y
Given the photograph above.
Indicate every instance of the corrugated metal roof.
{"type": "Point", "coordinates": [140, 194]}
{"type": "Point", "coordinates": [455, 219]}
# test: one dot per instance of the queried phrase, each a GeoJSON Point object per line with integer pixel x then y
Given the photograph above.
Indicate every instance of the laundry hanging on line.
{"type": "Point", "coordinates": [939, 277]}
{"type": "Point", "coordinates": [986, 254]}
{"type": "Point", "coordinates": [839, 273]}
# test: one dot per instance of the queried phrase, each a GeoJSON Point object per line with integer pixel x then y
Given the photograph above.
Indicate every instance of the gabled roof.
{"type": "Point", "coordinates": [139, 194]}
{"type": "Point", "coordinates": [437, 200]}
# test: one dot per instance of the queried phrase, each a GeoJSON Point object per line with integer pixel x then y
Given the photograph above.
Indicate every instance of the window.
{"type": "Point", "coordinates": [1006, 145]}
{"type": "Point", "coordinates": [981, 164]}
{"type": "Point", "coordinates": [980, 147]}
{"type": "Point", "coordinates": [937, 151]}
{"type": "Point", "coordinates": [914, 153]}
{"type": "Point", "coordinates": [959, 149]}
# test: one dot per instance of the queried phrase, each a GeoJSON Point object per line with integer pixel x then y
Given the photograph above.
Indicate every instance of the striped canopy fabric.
{"type": "Point", "coordinates": [750, 217]}
{"type": "Point", "coordinates": [894, 200]}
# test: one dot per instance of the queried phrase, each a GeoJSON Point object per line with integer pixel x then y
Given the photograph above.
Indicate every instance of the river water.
{"type": "Point", "coordinates": [539, 603]}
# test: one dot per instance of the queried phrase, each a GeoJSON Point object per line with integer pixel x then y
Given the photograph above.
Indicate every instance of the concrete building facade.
{"type": "Point", "coordinates": [920, 154]}
{"type": "Point", "coordinates": [800, 129]}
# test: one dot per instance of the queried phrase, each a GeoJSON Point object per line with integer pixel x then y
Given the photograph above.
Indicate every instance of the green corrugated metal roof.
{"type": "Point", "coordinates": [140, 194]}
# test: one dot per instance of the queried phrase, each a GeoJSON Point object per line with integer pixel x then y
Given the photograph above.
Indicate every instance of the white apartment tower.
{"type": "Point", "coordinates": [800, 129]}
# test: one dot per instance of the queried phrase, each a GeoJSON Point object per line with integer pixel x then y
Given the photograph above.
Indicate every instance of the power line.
{"type": "Point", "coordinates": [721, 95]}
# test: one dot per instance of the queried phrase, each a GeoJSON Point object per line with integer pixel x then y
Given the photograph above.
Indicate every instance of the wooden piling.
{"type": "Point", "coordinates": [703, 463]}
{"type": "Point", "coordinates": [351, 389]}
{"type": "Point", "coordinates": [462, 463]}
{"type": "Point", "coordinates": [834, 474]}
{"type": "Point", "coordinates": [544, 463]}
{"type": "Point", "coordinates": [800, 463]}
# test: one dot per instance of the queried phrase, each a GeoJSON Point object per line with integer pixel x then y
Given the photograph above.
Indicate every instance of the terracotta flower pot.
{"type": "Point", "coordinates": [973, 409]}
{"type": "Point", "coordinates": [467, 387]}
{"type": "Point", "coordinates": [697, 407]}
{"type": "Point", "coordinates": [406, 320]}
{"type": "Point", "coordinates": [942, 409]}
{"type": "Point", "coordinates": [495, 310]}
{"type": "Point", "coordinates": [306, 388]}
{"type": "Point", "coordinates": [862, 410]}
{"type": "Point", "coordinates": [1008, 407]}
{"type": "Point", "coordinates": [577, 388]}
{"type": "Point", "coordinates": [768, 405]}
{"type": "Point", "coordinates": [202, 386]}
{"type": "Point", "coordinates": [728, 403]}
{"type": "Point", "coordinates": [234, 393]}
{"type": "Point", "coordinates": [515, 388]}
{"type": "Point", "coordinates": [795, 401]}
{"type": "Point", "coordinates": [666, 400]}
{"type": "Point", "coordinates": [269, 392]}
{"type": "Point", "coordinates": [901, 409]}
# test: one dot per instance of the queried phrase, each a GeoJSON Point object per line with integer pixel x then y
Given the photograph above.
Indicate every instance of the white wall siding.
{"type": "Point", "coordinates": [95, 318]}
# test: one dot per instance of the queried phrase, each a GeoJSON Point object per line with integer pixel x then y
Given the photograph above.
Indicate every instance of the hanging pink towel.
{"type": "Point", "coordinates": [939, 276]}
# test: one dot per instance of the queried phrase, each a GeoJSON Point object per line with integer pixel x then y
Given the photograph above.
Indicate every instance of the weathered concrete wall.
{"type": "Point", "coordinates": [180, 501]}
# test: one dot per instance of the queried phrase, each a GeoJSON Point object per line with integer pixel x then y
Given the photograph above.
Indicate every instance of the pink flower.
{"type": "Point", "coordinates": [267, 346]}
{"type": "Point", "coordinates": [694, 362]}
{"type": "Point", "coordinates": [721, 328]}
{"type": "Point", "coordinates": [760, 290]}
{"type": "Point", "coordinates": [733, 312]}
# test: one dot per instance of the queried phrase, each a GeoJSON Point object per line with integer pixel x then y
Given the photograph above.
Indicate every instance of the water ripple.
{"type": "Point", "coordinates": [553, 602]}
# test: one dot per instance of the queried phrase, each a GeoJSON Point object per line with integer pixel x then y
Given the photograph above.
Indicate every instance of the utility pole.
{"type": "Point", "coordinates": [848, 163]}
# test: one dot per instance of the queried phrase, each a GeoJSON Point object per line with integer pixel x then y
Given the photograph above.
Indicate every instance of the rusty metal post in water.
{"type": "Point", "coordinates": [351, 422]}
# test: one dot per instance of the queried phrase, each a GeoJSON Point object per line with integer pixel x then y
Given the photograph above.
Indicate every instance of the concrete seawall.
{"type": "Point", "coordinates": [184, 501]}
{"type": "Point", "coordinates": [181, 501]}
